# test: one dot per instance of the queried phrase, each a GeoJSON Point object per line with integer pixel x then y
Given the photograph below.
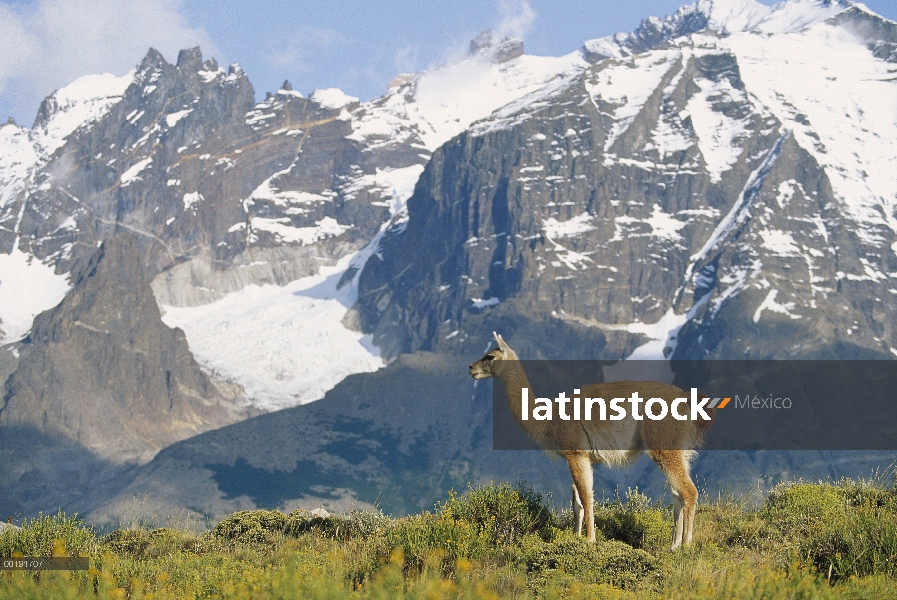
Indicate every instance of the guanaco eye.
{"type": "Point", "coordinates": [488, 358]}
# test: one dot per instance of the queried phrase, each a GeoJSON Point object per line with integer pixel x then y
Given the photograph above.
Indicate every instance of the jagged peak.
{"type": "Point", "coordinates": [858, 11]}
{"type": "Point", "coordinates": [287, 90]}
{"type": "Point", "coordinates": [499, 51]}
{"type": "Point", "coordinates": [722, 17]}
{"type": "Point", "coordinates": [730, 16]}
{"type": "Point", "coordinates": [862, 8]}
{"type": "Point", "coordinates": [86, 99]}
{"type": "Point", "coordinates": [190, 58]}
{"type": "Point", "coordinates": [152, 60]}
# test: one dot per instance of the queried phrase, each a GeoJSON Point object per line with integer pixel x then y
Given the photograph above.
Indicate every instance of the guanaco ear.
{"type": "Point", "coordinates": [501, 343]}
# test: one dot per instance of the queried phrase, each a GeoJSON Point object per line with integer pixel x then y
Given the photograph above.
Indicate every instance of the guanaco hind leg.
{"type": "Point", "coordinates": [675, 465]}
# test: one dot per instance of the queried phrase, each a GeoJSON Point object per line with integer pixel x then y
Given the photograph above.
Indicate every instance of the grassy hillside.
{"type": "Point", "coordinates": [820, 540]}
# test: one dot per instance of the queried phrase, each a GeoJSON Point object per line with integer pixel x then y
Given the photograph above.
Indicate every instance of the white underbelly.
{"type": "Point", "coordinates": [616, 443]}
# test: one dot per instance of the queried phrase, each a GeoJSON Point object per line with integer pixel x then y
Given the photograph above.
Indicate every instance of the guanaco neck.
{"type": "Point", "coordinates": [514, 379]}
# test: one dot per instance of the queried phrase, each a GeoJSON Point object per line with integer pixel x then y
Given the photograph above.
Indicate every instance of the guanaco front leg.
{"type": "Point", "coordinates": [577, 512]}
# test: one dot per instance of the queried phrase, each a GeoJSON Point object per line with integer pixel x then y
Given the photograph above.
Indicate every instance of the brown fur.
{"type": "Point", "coordinates": [670, 443]}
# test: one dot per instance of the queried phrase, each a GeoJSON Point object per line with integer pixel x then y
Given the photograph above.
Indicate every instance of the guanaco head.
{"type": "Point", "coordinates": [491, 364]}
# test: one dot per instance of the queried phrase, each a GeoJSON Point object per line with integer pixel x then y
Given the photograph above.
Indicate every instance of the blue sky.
{"type": "Point", "coordinates": [356, 45]}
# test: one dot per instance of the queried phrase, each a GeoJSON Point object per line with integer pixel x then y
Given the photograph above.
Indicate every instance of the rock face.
{"type": "Point", "coordinates": [103, 361]}
{"type": "Point", "coordinates": [666, 201]}
{"type": "Point", "coordinates": [200, 175]}
{"type": "Point", "coordinates": [217, 192]}
{"type": "Point", "coordinates": [204, 192]}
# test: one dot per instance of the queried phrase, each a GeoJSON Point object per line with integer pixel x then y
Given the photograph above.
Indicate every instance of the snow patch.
{"type": "Point", "coordinates": [786, 192]}
{"type": "Point", "coordinates": [28, 287]}
{"type": "Point", "coordinates": [719, 136]}
{"type": "Point", "coordinates": [395, 186]}
{"type": "Point", "coordinates": [333, 98]}
{"type": "Point", "coordinates": [661, 334]}
{"type": "Point", "coordinates": [480, 303]}
{"type": "Point", "coordinates": [269, 192]}
{"type": "Point", "coordinates": [669, 136]}
{"type": "Point", "coordinates": [769, 303]}
{"type": "Point", "coordinates": [133, 174]}
{"type": "Point", "coordinates": [192, 199]}
{"type": "Point", "coordinates": [18, 156]}
{"type": "Point", "coordinates": [663, 226]}
{"type": "Point", "coordinates": [571, 227]}
{"type": "Point", "coordinates": [172, 119]}
{"type": "Point", "coordinates": [289, 234]}
{"type": "Point", "coordinates": [70, 224]}
{"type": "Point", "coordinates": [779, 242]}
{"type": "Point", "coordinates": [83, 101]}
{"type": "Point", "coordinates": [440, 103]}
{"type": "Point", "coordinates": [823, 83]}
{"type": "Point", "coordinates": [739, 212]}
{"type": "Point", "coordinates": [210, 76]}
{"type": "Point", "coordinates": [285, 345]}
{"type": "Point", "coordinates": [627, 85]}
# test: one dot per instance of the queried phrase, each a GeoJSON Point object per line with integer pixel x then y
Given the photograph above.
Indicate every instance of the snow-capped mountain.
{"type": "Point", "coordinates": [247, 217]}
{"type": "Point", "coordinates": [713, 195]}
{"type": "Point", "coordinates": [721, 17]}
{"type": "Point", "coordinates": [714, 184]}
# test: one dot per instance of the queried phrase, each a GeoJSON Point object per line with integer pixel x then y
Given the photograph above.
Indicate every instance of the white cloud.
{"type": "Point", "coordinates": [47, 44]}
{"type": "Point", "coordinates": [516, 18]}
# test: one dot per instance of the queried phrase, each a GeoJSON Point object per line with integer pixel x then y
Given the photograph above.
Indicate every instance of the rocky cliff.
{"type": "Point", "coordinates": [102, 361]}
{"type": "Point", "coordinates": [668, 202]}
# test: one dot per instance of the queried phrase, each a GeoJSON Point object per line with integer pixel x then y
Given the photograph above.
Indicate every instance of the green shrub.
{"type": "Point", "coordinates": [362, 524]}
{"type": "Point", "coordinates": [502, 512]}
{"type": "Point", "coordinates": [865, 492]}
{"type": "Point", "coordinates": [139, 542]}
{"type": "Point", "coordinates": [802, 506]}
{"type": "Point", "coordinates": [570, 558]}
{"type": "Point", "coordinates": [649, 530]}
{"type": "Point", "coordinates": [845, 529]}
{"type": "Point", "coordinates": [129, 542]}
{"type": "Point", "coordinates": [747, 530]}
{"type": "Point", "coordinates": [56, 535]}
{"type": "Point", "coordinates": [422, 536]}
{"type": "Point", "coordinates": [252, 526]}
{"type": "Point", "coordinates": [638, 522]}
{"type": "Point", "coordinates": [368, 523]}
